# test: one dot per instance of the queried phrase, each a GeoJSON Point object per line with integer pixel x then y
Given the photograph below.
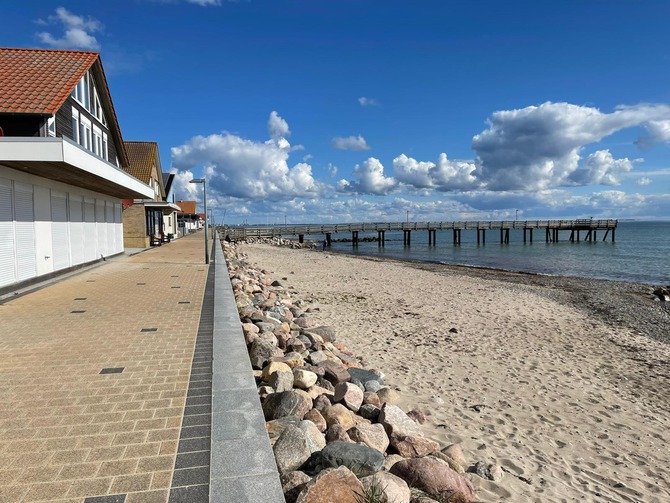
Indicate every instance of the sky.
{"type": "Point", "coordinates": [309, 111]}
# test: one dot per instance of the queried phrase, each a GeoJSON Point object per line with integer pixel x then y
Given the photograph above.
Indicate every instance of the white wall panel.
{"type": "Point", "coordinates": [109, 218]}
{"type": "Point", "coordinates": [59, 230]}
{"type": "Point", "coordinates": [90, 239]}
{"type": "Point", "coordinates": [7, 262]}
{"type": "Point", "coordinates": [101, 227]}
{"type": "Point", "coordinates": [24, 231]}
{"type": "Point", "coordinates": [76, 217]}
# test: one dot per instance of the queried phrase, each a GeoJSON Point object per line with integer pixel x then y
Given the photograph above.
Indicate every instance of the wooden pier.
{"type": "Point", "coordinates": [580, 229]}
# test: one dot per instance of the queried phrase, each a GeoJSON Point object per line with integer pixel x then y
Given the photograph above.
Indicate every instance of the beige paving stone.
{"type": "Point", "coordinates": [106, 453]}
{"type": "Point", "coordinates": [94, 441]}
{"type": "Point", "coordinates": [155, 464]}
{"type": "Point", "coordinates": [118, 467]}
{"type": "Point", "coordinates": [135, 415]}
{"type": "Point", "coordinates": [169, 447]}
{"type": "Point", "coordinates": [58, 444]}
{"type": "Point", "coordinates": [89, 487]}
{"type": "Point", "coordinates": [118, 427]}
{"type": "Point", "coordinates": [131, 483]}
{"type": "Point", "coordinates": [25, 459]}
{"type": "Point", "coordinates": [12, 494]}
{"type": "Point", "coordinates": [38, 474]}
{"type": "Point", "coordinates": [8, 476]}
{"type": "Point", "coordinates": [79, 471]}
{"type": "Point", "coordinates": [59, 417]}
{"type": "Point", "coordinates": [133, 437]}
{"type": "Point", "coordinates": [48, 491]}
{"type": "Point", "coordinates": [142, 450]}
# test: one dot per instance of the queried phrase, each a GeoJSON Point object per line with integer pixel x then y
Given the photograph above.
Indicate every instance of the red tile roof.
{"type": "Point", "coordinates": [38, 81]}
{"type": "Point", "coordinates": [187, 207]}
{"type": "Point", "coordinates": [141, 155]}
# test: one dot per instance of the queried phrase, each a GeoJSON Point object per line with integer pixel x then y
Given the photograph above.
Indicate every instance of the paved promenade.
{"type": "Point", "coordinates": [100, 378]}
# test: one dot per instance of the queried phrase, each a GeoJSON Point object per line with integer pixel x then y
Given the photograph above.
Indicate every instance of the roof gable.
{"type": "Point", "coordinates": [187, 207]}
{"type": "Point", "coordinates": [144, 161]}
{"type": "Point", "coordinates": [38, 81]}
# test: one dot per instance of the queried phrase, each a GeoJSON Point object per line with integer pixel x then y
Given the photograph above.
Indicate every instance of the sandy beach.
{"type": "Point", "coordinates": [573, 401]}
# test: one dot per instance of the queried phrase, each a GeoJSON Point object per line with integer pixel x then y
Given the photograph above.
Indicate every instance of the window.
{"type": "Point", "coordinates": [81, 93]}
{"type": "Point", "coordinates": [87, 95]}
{"type": "Point", "coordinates": [51, 126]}
{"type": "Point", "coordinates": [85, 139]}
{"type": "Point", "coordinates": [97, 141]}
{"type": "Point", "coordinates": [75, 125]}
{"type": "Point", "coordinates": [105, 155]}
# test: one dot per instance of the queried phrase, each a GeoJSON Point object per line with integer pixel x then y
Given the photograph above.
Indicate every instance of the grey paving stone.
{"type": "Point", "coordinates": [192, 494]}
{"type": "Point", "coordinates": [114, 498]}
{"type": "Point", "coordinates": [190, 476]}
{"type": "Point", "coordinates": [228, 425]}
{"type": "Point", "coordinates": [252, 489]}
{"type": "Point", "coordinates": [192, 459]}
{"type": "Point", "coordinates": [194, 444]}
{"type": "Point", "coordinates": [242, 457]}
{"type": "Point", "coordinates": [233, 380]}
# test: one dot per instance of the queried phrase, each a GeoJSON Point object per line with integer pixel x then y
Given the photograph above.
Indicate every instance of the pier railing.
{"type": "Point", "coordinates": [261, 231]}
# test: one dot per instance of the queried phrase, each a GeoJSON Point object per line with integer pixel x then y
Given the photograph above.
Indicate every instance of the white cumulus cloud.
{"type": "Point", "coordinates": [600, 168]}
{"type": "Point", "coordinates": [369, 178]}
{"type": "Point", "coordinates": [445, 175]}
{"type": "Point", "coordinates": [538, 147]}
{"type": "Point", "coordinates": [277, 127]}
{"type": "Point", "coordinates": [659, 132]}
{"type": "Point", "coordinates": [350, 143]}
{"type": "Point", "coordinates": [643, 181]}
{"type": "Point", "coordinates": [247, 169]}
{"type": "Point", "coordinates": [78, 31]}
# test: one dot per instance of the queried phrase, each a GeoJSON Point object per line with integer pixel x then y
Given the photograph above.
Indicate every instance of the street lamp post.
{"type": "Point", "coordinates": [517, 215]}
{"type": "Point", "coordinates": [204, 195]}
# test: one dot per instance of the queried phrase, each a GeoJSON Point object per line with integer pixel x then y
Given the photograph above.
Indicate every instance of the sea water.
{"type": "Point", "coordinates": [640, 253]}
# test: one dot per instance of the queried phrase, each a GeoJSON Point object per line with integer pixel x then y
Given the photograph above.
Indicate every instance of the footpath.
{"type": "Point", "coordinates": [106, 384]}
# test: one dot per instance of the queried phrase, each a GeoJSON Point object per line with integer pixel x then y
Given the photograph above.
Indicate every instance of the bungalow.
{"type": "Point", "coordinates": [62, 156]}
{"type": "Point", "coordinates": [145, 220]}
{"type": "Point", "coordinates": [188, 220]}
{"type": "Point", "coordinates": [170, 221]}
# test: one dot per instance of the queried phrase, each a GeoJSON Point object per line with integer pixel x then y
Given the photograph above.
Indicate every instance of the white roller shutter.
{"type": "Point", "coordinates": [59, 230]}
{"type": "Point", "coordinates": [24, 231]}
{"type": "Point", "coordinates": [90, 240]}
{"type": "Point", "coordinates": [118, 226]}
{"type": "Point", "coordinates": [7, 268]}
{"type": "Point", "coordinates": [111, 242]}
{"type": "Point", "coordinates": [76, 229]}
{"type": "Point", "coordinates": [100, 227]}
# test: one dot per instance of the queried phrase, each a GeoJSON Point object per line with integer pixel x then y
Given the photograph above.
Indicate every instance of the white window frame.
{"type": "Point", "coordinates": [75, 125]}
{"type": "Point", "coordinates": [51, 126]}
{"type": "Point", "coordinates": [82, 92]}
{"type": "Point", "coordinates": [105, 147]}
{"type": "Point", "coordinates": [85, 132]}
{"type": "Point", "coordinates": [97, 141]}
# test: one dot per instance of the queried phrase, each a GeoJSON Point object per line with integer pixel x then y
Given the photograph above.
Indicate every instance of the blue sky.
{"type": "Point", "coordinates": [363, 110]}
